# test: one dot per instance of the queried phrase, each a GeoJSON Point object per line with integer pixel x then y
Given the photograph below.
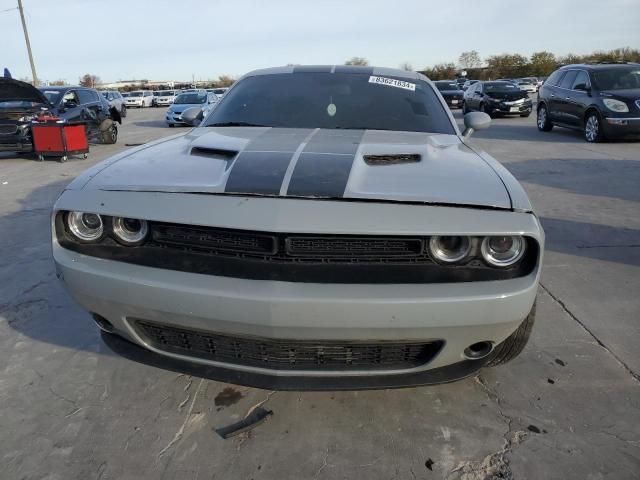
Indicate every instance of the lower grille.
{"type": "Point", "coordinates": [8, 129]}
{"type": "Point", "coordinates": [287, 354]}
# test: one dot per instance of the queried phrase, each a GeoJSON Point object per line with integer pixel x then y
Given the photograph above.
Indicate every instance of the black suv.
{"type": "Point", "coordinates": [602, 100]}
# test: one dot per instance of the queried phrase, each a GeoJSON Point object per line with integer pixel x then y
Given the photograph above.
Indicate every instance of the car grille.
{"type": "Point", "coordinates": [287, 354]}
{"type": "Point", "coordinates": [8, 129]}
{"type": "Point", "coordinates": [290, 247]}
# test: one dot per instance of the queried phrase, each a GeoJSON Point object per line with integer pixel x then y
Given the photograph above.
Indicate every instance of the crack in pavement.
{"type": "Point", "coordinates": [180, 431]}
{"type": "Point", "coordinates": [496, 464]}
{"type": "Point", "coordinates": [571, 315]}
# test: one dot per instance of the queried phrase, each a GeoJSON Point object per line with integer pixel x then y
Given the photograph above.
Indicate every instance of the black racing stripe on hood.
{"type": "Point", "coordinates": [325, 164]}
{"type": "Point", "coordinates": [259, 173]}
{"type": "Point", "coordinates": [260, 168]}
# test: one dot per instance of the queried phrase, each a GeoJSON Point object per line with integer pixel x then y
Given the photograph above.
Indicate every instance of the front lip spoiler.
{"type": "Point", "coordinates": [136, 353]}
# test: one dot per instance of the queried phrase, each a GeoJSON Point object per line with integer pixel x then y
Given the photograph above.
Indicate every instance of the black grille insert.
{"type": "Point", "coordinates": [287, 354]}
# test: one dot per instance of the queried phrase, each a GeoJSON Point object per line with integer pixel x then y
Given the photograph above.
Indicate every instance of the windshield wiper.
{"type": "Point", "coordinates": [235, 124]}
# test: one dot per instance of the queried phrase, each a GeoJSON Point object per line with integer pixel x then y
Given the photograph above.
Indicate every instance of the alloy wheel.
{"type": "Point", "coordinates": [592, 128]}
{"type": "Point", "coordinates": [542, 118]}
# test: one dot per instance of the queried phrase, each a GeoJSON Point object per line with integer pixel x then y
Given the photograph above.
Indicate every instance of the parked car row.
{"type": "Point", "coordinates": [601, 100]}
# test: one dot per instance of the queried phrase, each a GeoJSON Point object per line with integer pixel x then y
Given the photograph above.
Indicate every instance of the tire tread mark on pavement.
{"type": "Point", "coordinates": [633, 374]}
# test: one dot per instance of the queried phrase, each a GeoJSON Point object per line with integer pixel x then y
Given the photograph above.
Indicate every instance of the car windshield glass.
{"type": "Point", "coordinates": [500, 87]}
{"type": "Point", "coordinates": [190, 98]}
{"type": "Point", "coordinates": [617, 78]}
{"type": "Point", "coordinates": [156, 94]}
{"type": "Point", "coordinates": [52, 95]}
{"type": "Point", "coordinates": [332, 100]}
{"type": "Point", "coordinates": [135, 94]}
{"type": "Point", "coordinates": [219, 91]}
{"type": "Point", "coordinates": [447, 86]}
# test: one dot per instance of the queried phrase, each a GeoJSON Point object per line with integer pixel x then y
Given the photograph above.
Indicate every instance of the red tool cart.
{"type": "Point", "coordinates": [53, 137]}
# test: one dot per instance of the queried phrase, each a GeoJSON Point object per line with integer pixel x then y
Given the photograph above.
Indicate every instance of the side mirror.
{"type": "Point", "coordinates": [192, 116]}
{"type": "Point", "coordinates": [475, 121]}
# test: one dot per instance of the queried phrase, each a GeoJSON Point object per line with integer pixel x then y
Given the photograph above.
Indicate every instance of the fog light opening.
{"type": "Point", "coordinates": [478, 350]}
{"type": "Point", "coordinates": [103, 324]}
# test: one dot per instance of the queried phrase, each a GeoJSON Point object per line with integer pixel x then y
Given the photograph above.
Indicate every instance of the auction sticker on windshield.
{"type": "Point", "coordinates": [392, 82]}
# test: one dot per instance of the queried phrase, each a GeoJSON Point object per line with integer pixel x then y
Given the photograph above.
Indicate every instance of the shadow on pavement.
{"type": "Point", "coordinates": [597, 178]}
{"type": "Point", "coordinates": [589, 240]}
{"type": "Point", "coordinates": [32, 300]}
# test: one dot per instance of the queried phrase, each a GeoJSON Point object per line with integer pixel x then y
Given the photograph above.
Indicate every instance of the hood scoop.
{"type": "Point", "coordinates": [214, 153]}
{"type": "Point", "coordinates": [394, 159]}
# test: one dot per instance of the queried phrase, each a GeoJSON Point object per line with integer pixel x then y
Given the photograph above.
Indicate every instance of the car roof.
{"type": "Point", "coordinates": [62, 89]}
{"type": "Point", "coordinates": [381, 71]}
{"type": "Point", "coordinates": [600, 66]}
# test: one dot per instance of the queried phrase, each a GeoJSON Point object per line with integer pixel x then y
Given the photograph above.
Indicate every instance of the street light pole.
{"type": "Point", "coordinates": [26, 37]}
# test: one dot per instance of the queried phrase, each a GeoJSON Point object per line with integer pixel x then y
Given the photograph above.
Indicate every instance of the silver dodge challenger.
{"type": "Point", "coordinates": [324, 227]}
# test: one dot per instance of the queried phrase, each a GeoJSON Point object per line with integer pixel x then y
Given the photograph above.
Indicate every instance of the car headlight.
{"type": "Point", "coordinates": [87, 227]}
{"type": "Point", "coordinates": [130, 231]}
{"type": "Point", "coordinates": [449, 249]}
{"type": "Point", "coordinates": [615, 105]}
{"type": "Point", "coordinates": [502, 251]}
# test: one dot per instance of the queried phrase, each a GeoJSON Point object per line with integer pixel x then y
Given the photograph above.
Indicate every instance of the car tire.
{"type": "Point", "coordinates": [542, 119]}
{"type": "Point", "coordinates": [515, 343]}
{"type": "Point", "coordinates": [483, 108]}
{"type": "Point", "coordinates": [171, 125]}
{"type": "Point", "coordinates": [464, 108]}
{"type": "Point", "coordinates": [123, 111]}
{"type": "Point", "coordinates": [593, 132]}
{"type": "Point", "coordinates": [110, 136]}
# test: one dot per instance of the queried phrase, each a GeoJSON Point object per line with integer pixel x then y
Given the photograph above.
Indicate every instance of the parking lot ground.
{"type": "Point", "coordinates": [567, 408]}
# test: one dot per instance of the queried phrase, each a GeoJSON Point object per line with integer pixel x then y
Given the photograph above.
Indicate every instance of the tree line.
{"type": "Point", "coordinates": [514, 65]}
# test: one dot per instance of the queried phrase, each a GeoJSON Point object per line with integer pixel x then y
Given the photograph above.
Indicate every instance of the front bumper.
{"type": "Point", "coordinates": [174, 118]}
{"type": "Point", "coordinates": [134, 104]}
{"type": "Point", "coordinates": [622, 127]}
{"type": "Point", "coordinates": [458, 314]}
{"type": "Point", "coordinates": [507, 109]}
{"type": "Point", "coordinates": [15, 146]}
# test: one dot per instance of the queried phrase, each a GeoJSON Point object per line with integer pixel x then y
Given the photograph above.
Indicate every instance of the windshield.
{"type": "Point", "coordinates": [219, 91]}
{"type": "Point", "coordinates": [447, 86]}
{"type": "Point", "coordinates": [617, 78]}
{"type": "Point", "coordinates": [52, 95]}
{"type": "Point", "coordinates": [190, 98]}
{"type": "Point", "coordinates": [500, 87]}
{"type": "Point", "coordinates": [135, 94]}
{"type": "Point", "coordinates": [332, 100]}
{"type": "Point", "coordinates": [165, 93]}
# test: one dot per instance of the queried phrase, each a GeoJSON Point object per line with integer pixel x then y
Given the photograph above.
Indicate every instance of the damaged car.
{"type": "Point", "coordinates": [324, 227]}
{"type": "Point", "coordinates": [21, 104]}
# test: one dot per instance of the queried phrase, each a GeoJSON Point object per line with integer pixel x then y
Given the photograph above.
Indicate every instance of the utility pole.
{"type": "Point", "coordinates": [26, 37]}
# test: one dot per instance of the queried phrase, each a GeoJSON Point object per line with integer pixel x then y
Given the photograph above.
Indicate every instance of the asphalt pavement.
{"type": "Point", "coordinates": [567, 408]}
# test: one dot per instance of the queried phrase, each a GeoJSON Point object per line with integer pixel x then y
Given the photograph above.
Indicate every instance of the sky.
{"type": "Point", "coordinates": [202, 39]}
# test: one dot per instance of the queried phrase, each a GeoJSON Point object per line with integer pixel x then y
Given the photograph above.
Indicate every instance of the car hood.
{"type": "Point", "coordinates": [311, 163]}
{"type": "Point", "coordinates": [15, 90]}
{"type": "Point", "coordinates": [626, 94]}
{"type": "Point", "coordinates": [181, 107]}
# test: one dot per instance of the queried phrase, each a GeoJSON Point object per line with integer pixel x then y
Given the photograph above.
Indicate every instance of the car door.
{"type": "Point", "coordinates": [92, 110]}
{"type": "Point", "coordinates": [563, 97]}
{"type": "Point", "coordinates": [468, 96]}
{"type": "Point", "coordinates": [578, 99]}
{"type": "Point", "coordinates": [551, 94]}
{"type": "Point", "coordinates": [478, 95]}
{"type": "Point", "coordinates": [69, 108]}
